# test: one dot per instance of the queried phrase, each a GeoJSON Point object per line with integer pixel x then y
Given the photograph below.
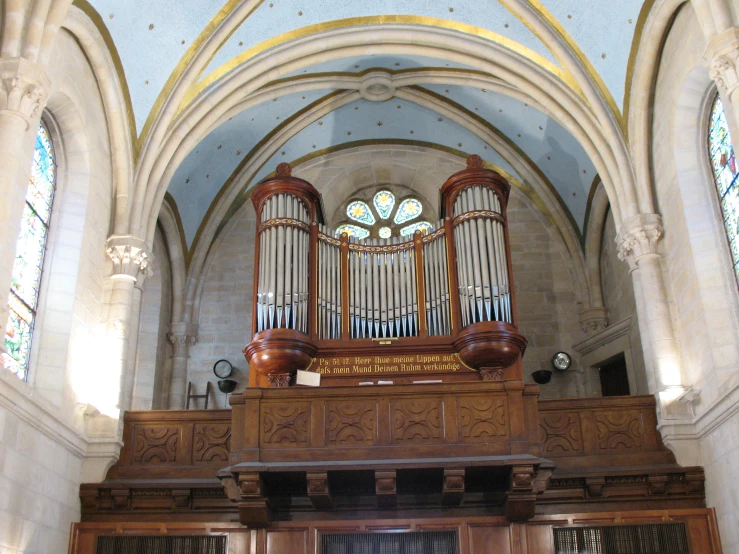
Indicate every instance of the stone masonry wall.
{"type": "Point", "coordinates": [41, 444]}
{"type": "Point", "coordinates": [618, 299]}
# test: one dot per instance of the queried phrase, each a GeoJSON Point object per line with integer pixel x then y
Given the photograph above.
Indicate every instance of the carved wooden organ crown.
{"type": "Point", "coordinates": [433, 307]}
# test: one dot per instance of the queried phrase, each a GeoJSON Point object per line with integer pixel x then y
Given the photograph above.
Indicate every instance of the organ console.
{"type": "Point", "coordinates": [438, 306]}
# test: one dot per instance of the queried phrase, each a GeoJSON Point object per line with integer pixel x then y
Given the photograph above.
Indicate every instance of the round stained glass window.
{"type": "Point", "coordinates": [382, 215]}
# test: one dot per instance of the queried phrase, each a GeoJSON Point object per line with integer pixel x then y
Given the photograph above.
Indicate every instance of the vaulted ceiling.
{"type": "Point", "coordinates": [330, 105]}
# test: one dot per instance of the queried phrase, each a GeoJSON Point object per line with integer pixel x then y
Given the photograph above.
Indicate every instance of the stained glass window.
{"type": "Point", "coordinates": [723, 162]}
{"type": "Point", "coordinates": [423, 226]}
{"type": "Point", "coordinates": [384, 202]}
{"type": "Point", "coordinates": [410, 208]}
{"type": "Point", "coordinates": [383, 216]}
{"type": "Point", "coordinates": [353, 231]}
{"type": "Point", "coordinates": [360, 211]}
{"type": "Point", "coordinates": [29, 256]}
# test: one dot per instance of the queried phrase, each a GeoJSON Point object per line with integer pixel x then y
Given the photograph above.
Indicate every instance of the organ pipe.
{"type": "Point", "coordinates": [452, 284]}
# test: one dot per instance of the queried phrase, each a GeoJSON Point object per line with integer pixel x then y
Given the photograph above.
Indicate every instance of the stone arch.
{"type": "Point", "coordinates": [558, 99]}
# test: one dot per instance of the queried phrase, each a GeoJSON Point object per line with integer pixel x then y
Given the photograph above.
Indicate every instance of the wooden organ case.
{"type": "Point", "coordinates": [422, 421]}
{"type": "Point", "coordinates": [439, 306]}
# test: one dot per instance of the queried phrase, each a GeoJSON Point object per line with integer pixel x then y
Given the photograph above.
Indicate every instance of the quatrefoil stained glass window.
{"type": "Point", "coordinates": [29, 256]}
{"type": "Point", "coordinates": [724, 165]}
{"type": "Point", "coordinates": [383, 217]}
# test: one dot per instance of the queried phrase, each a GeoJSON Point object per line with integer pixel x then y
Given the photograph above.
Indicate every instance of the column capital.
{"type": "Point", "coordinates": [24, 89]}
{"type": "Point", "coordinates": [722, 56]}
{"type": "Point", "coordinates": [183, 334]}
{"type": "Point", "coordinates": [638, 237]}
{"type": "Point", "coordinates": [593, 321]}
{"type": "Point", "coordinates": [131, 258]}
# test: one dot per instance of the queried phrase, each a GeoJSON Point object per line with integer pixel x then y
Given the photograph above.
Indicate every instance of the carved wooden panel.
{"type": "Point", "coordinates": [482, 418]}
{"type": "Point", "coordinates": [155, 444]}
{"type": "Point", "coordinates": [416, 421]}
{"type": "Point", "coordinates": [212, 443]}
{"type": "Point", "coordinates": [350, 423]}
{"type": "Point", "coordinates": [560, 434]}
{"type": "Point", "coordinates": [285, 425]}
{"type": "Point", "coordinates": [620, 431]}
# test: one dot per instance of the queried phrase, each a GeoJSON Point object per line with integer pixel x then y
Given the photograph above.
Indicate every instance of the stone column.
{"type": "Point", "coordinates": [129, 378]}
{"type": "Point", "coordinates": [722, 56]}
{"type": "Point", "coordinates": [24, 90]}
{"type": "Point", "coordinates": [182, 336]}
{"type": "Point", "coordinates": [637, 245]}
{"type": "Point", "coordinates": [131, 263]}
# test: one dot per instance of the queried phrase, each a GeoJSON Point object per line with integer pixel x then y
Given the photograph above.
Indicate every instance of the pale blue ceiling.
{"type": "Point", "coordinates": [361, 119]}
{"type": "Point", "coordinates": [275, 17]}
{"type": "Point", "coordinates": [559, 156]}
{"type": "Point", "coordinates": [601, 27]}
{"type": "Point", "coordinates": [208, 166]}
{"type": "Point", "coordinates": [149, 55]}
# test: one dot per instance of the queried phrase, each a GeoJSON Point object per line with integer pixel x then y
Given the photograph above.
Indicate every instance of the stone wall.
{"type": "Point", "coordinates": [41, 442]}
{"type": "Point", "coordinates": [698, 271]}
{"type": "Point", "coordinates": [224, 321]}
{"type": "Point", "coordinates": [152, 360]}
{"type": "Point", "coordinates": [545, 295]}
{"type": "Point", "coordinates": [618, 299]}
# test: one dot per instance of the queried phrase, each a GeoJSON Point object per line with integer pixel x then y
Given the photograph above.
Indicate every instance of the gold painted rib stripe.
{"type": "Point", "coordinates": [579, 54]}
{"type": "Point", "coordinates": [506, 42]}
{"type": "Point", "coordinates": [188, 56]}
{"type": "Point", "coordinates": [97, 20]}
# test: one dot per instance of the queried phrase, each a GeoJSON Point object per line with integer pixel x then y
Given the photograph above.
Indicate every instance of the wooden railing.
{"type": "Point", "coordinates": [377, 422]}
{"type": "Point", "coordinates": [182, 444]}
{"type": "Point", "coordinates": [601, 432]}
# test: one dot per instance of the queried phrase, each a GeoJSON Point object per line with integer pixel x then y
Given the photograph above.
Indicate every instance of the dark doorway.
{"type": "Point", "coordinates": [614, 381]}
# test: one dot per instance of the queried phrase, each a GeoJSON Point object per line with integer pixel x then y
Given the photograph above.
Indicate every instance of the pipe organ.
{"type": "Point", "coordinates": [436, 306]}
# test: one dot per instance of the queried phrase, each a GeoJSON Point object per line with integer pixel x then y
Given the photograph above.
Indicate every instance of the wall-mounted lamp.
{"type": "Point", "coordinates": [223, 369]}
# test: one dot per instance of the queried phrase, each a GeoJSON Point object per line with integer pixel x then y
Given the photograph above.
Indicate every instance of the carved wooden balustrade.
{"type": "Point", "coordinates": [168, 464]}
{"type": "Point", "coordinates": [468, 445]}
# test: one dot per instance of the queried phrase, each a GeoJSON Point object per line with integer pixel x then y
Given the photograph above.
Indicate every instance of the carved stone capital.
{"type": "Point", "coordinates": [131, 258]}
{"type": "Point", "coordinates": [722, 56]}
{"type": "Point", "coordinates": [182, 335]}
{"type": "Point", "coordinates": [638, 237]}
{"type": "Point", "coordinates": [593, 321]}
{"type": "Point", "coordinates": [24, 89]}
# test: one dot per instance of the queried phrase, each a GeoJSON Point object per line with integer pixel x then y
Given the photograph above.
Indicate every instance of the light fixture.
{"type": "Point", "coordinates": [561, 361]}
{"type": "Point", "coordinates": [223, 370]}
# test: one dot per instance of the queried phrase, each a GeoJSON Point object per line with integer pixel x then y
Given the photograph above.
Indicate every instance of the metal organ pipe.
{"type": "Point", "coordinates": [282, 288]}
{"type": "Point", "coordinates": [482, 265]}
